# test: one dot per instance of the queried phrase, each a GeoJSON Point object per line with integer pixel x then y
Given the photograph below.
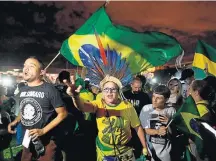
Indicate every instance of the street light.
{"type": "Point", "coordinates": [6, 81]}
{"type": "Point", "coordinates": [154, 80]}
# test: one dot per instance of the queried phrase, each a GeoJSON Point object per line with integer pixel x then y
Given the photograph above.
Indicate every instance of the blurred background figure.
{"type": "Point", "coordinates": [138, 99]}
{"type": "Point", "coordinates": [176, 98]}
{"type": "Point", "coordinates": [211, 81]}
{"type": "Point", "coordinates": [19, 134]}
{"type": "Point", "coordinates": [143, 80]}
{"type": "Point", "coordinates": [65, 133]}
{"type": "Point", "coordinates": [95, 91]}
{"type": "Point", "coordinates": [203, 95]}
{"type": "Point", "coordinates": [5, 137]}
{"type": "Point", "coordinates": [187, 76]}
{"type": "Point", "coordinates": [136, 96]}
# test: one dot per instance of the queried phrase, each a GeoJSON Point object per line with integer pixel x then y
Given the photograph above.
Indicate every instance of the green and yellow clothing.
{"type": "Point", "coordinates": [202, 107]}
{"type": "Point", "coordinates": [99, 96]}
{"type": "Point", "coordinates": [87, 97]}
{"type": "Point", "coordinates": [116, 122]}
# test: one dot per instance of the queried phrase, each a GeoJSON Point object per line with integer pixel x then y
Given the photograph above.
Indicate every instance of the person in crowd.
{"type": "Point", "coordinates": [19, 134]}
{"type": "Point", "coordinates": [89, 125]}
{"type": "Point", "coordinates": [6, 101]}
{"type": "Point", "coordinates": [143, 80]}
{"type": "Point", "coordinates": [176, 98]}
{"type": "Point", "coordinates": [85, 129]}
{"type": "Point", "coordinates": [87, 84]}
{"type": "Point", "coordinates": [203, 94]}
{"type": "Point", "coordinates": [136, 96]}
{"type": "Point", "coordinates": [115, 117]}
{"type": "Point", "coordinates": [211, 82]}
{"type": "Point", "coordinates": [138, 99]}
{"type": "Point", "coordinates": [187, 76]}
{"type": "Point", "coordinates": [95, 90]}
{"type": "Point", "coordinates": [65, 133]}
{"type": "Point", "coordinates": [41, 110]}
{"type": "Point", "coordinates": [154, 119]}
{"type": "Point", "coordinates": [85, 93]}
{"type": "Point", "coordinates": [5, 137]}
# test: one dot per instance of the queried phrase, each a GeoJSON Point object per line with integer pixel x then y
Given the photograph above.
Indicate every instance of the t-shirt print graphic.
{"type": "Point", "coordinates": [156, 124]}
{"type": "Point", "coordinates": [31, 111]}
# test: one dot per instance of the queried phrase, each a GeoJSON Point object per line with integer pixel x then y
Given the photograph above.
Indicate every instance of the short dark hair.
{"type": "Point", "coordinates": [142, 78]}
{"type": "Point", "coordinates": [186, 73]}
{"type": "Point", "coordinates": [162, 90]}
{"type": "Point", "coordinates": [64, 75]}
{"type": "Point", "coordinates": [205, 91]}
{"type": "Point", "coordinates": [42, 66]}
{"type": "Point", "coordinates": [211, 80]}
{"type": "Point", "coordinates": [136, 79]}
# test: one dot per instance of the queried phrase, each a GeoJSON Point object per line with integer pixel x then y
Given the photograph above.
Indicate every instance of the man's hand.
{"type": "Point", "coordinates": [72, 90]}
{"type": "Point", "coordinates": [11, 126]}
{"type": "Point", "coordinates": [163, 119]}
{"type": "Point", "coordinates": [35, 133]}
{"type": "Point", "coordinates": [162, 131]}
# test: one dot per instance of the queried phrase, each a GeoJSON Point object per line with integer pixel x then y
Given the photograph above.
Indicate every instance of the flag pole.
{"type": "Point", "coordinates": [106, 3]}
{"type": "Point", "coordinates": [52, 60]}
{"type": "Point", "coordinates": [169, 123]}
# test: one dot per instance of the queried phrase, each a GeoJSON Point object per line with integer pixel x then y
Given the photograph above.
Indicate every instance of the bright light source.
{"type": "Point", "coordinates": [154, 80]}
{"type": "Point", "coordinates": [177, 75]}
{"type": "Point", "coordinates": [6, 81]}
{"type": "Point", "coordinates": [16, 70]}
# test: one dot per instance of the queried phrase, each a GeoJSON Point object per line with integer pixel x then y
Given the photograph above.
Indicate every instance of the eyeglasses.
{"type": "Point", "coordinates": [112, 90]}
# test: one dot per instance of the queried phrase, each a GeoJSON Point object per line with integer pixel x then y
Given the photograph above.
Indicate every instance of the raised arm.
{"type": "Point", "coordinates": [78, 102]}
{"type": "Point", "coordinates": [83, 106]}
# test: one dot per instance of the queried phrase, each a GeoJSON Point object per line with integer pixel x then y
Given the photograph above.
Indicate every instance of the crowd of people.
{"type": "Point", "coordinates": [74, 121]}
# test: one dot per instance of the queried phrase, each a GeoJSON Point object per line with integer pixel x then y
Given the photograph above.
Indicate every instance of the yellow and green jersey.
{"type": "Point", "coordinates": [114, 127]}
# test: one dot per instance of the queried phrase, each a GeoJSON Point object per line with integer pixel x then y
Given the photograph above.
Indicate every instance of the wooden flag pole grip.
{"type": "Point", "coordinates": [52, 60]}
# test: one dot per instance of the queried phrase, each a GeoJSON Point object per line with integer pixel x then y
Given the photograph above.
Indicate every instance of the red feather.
{"type": "Point", "coordinates": [102, 51]}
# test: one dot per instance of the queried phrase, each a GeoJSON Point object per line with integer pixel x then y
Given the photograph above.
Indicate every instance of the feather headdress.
{"type": "Point", "coordinates": [105, 65]}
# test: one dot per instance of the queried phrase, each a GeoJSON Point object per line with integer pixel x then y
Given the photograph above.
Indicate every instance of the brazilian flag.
{"type": "Point", "coordinates": [184, 120]}
{"type": "Point", "coordinates": [204, 62]}
{"type": "Point", "coordinates": [141, 50]}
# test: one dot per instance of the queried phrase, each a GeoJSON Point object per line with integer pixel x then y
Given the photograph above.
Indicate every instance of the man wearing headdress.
{"type": "Point", "coordinates": [114, 117]}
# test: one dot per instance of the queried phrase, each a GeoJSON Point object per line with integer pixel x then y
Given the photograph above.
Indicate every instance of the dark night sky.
{"type": "Point", "coordinates": [39, 28]}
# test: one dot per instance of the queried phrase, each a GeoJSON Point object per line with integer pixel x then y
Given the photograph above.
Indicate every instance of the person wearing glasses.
{"type": "Point", "coordinates": [114, 117]}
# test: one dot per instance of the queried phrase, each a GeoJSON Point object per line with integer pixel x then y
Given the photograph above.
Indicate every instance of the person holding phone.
{"type": "Point", "coordinates": [155, 119]}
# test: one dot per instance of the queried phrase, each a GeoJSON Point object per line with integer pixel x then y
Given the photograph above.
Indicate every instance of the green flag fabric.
{"type": "Point", "coordinates": [204, 59]}
{"type": "Point", "coordinates": [141, 50]}
{"type": "Point", "coordinates": [184, 121]}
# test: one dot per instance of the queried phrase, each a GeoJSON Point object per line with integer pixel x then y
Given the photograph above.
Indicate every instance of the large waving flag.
{"type": "Point", "coordinates": [140, 50]}
{"type": "Point", "coordinates": [204, 62]}
{"type": "Point", "coordinates": [184, 120]}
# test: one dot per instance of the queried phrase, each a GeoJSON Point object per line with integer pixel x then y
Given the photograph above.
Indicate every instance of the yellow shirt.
{"type": "Point", "coordinates": [87, 97]}
{"type": "Point", "coordinates": [202, 107]}
{"type": "Point", "coordinates": [99, 96]}
{"type": "Point", "coordinates": [118, 126]}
